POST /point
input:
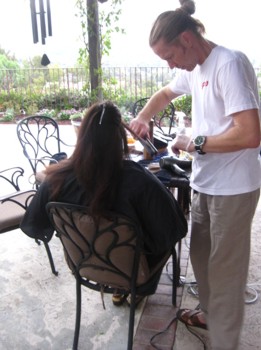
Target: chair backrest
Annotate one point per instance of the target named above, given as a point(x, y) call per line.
point(164, 120)
point(107, 253)
point(40, 140)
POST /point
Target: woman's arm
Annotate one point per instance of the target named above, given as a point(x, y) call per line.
point(36, 223)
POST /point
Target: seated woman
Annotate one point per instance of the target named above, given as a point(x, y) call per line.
point(100, 175)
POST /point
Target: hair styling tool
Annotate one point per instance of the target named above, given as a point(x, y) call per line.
point(172, 164)
point(146, 143)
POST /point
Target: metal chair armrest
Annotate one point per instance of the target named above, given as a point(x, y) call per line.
point(12, 175)
point(20, 198)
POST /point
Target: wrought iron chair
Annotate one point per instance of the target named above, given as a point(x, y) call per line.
point(41, 143)
point(105, 256)
point(14, 203)
point(164, 120)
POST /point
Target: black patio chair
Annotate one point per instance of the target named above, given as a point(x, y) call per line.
point(41, 143)
point(105, 256)
point(165, 120)
point(14, 203)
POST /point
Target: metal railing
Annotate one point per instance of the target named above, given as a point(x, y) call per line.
point(61, 88)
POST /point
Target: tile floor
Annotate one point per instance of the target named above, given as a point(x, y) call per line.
point(158, 312)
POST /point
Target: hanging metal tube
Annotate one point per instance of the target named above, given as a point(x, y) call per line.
point(34, 21)
point(49, 18)
point(42, 20)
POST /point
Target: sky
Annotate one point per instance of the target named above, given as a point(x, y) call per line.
point(231, 23)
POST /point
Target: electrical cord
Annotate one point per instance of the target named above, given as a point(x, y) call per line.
point(198, 336)
point(251, 294)
point(251, 297)
point(161, 332)
point(192, 288)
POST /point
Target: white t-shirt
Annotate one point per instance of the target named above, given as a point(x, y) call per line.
point(224, 84)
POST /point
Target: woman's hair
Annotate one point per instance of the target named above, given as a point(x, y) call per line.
point(97, 160)
point(170, 24)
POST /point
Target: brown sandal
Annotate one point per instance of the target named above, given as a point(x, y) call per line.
point(190, 318)
point(118, 299)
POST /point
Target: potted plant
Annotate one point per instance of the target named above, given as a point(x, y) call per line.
point(76, 120)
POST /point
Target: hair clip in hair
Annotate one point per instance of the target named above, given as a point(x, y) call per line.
point(102, 113)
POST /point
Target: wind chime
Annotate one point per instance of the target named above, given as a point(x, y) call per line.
point(41, 12)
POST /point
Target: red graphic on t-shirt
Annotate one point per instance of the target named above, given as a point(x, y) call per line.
point(204, 84)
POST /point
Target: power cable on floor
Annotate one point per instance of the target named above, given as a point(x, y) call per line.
point(161, 332)
point(198, 336)
point(192, 288)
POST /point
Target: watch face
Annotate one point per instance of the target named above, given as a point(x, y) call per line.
point(199, 140)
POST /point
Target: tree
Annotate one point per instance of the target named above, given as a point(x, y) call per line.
point(8, 69)
point(96, 39)
point(94, 48)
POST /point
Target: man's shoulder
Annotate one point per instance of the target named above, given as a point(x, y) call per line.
point(226, 54)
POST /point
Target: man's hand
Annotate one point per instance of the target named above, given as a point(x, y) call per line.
point(140, 127)
point(183, 143)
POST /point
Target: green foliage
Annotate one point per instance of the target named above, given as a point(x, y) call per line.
point(76, 116)
point(183, 104)
point(43, 102)
point(7, 63)
point(8, 115)
point(7, 54)
point(69, 114)
point(108, 24)
point(11, 101)
point(47, 113)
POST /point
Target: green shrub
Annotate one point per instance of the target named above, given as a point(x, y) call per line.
point(8, 115)
point(183, 104)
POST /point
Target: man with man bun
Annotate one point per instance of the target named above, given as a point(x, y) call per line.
point(226, 172)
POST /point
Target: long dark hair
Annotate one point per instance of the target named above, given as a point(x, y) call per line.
point(170, 24)
point(97, 160)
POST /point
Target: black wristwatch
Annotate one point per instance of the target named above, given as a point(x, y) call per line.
point(199, 142)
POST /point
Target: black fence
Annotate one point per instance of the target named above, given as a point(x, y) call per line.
point(64, 88)
point(69, 87)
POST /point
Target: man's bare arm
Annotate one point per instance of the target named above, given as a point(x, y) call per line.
point(245, 133)
point(157, 102)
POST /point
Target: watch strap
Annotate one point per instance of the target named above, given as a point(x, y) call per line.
point(199, 149)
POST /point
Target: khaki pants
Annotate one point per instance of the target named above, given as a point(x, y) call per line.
point(220, 250)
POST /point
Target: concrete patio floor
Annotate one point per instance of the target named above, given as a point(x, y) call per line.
point(37, 309)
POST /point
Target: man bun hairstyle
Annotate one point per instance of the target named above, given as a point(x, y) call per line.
point(188, 6)
point(170, 24)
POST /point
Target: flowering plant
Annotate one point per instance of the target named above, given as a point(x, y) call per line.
point(69, 114)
